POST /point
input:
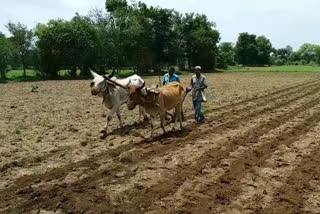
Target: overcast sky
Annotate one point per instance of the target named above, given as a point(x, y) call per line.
point(284, 22)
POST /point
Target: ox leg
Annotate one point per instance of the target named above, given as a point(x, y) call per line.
point(119, 117)
point(180, 115)
point(151, 123)
point(162, 119)
point(175, 120)
point(177, 116)
point(113, 110)
point(107, 124)
point(142, 112)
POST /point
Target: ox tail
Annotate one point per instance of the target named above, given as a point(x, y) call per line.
point(182, 93)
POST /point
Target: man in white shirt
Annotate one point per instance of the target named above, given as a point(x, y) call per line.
point(198, 84)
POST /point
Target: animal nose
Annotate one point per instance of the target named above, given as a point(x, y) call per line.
point(130, 105)
point(94, 91)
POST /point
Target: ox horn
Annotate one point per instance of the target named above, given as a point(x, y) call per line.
point(114, 82)
point(94, 74)
point(111, 75)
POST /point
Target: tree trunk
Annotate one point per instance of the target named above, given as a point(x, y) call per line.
point(24, 70)
point(3, 74)
point(159, 73)
point(85, 72)
point(189, 64)
point(74, 72)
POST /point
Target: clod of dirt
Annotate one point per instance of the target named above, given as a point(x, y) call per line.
point(233, 211)
point(129, 156)
point(120, 174)
point(39, 139)
point(135, 168)
point(36, 159)
point(25, 190)
point(84, 143)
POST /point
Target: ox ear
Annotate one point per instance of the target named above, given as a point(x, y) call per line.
point(129, 83)
point(111, 85)
point(141, 87)
point(94, 74)
point(111, 75)
point(144, 91)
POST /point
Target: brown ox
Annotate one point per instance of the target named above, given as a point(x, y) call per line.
point(158, 101)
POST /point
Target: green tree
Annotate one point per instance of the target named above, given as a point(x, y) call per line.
point(67, 45)
point(152, 37)
point(226, 55)
point(283, 56)
point(22, 40)
point(115, 5)
point(161, 36)
point(247, 49)
point(125, 50)
point(120, 14)
point(201, 41)
point(107, 48)
point(177, 54)
point(5, 55)
point(264, 47)
point(309, 53)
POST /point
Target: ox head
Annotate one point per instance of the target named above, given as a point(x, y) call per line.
point(99, 85)
point(134, 96)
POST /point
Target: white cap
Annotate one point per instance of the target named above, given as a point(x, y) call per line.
point(197, 68)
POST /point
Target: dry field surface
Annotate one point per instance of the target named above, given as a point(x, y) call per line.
point(258, 151)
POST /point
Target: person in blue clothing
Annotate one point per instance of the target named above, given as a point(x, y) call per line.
point(170, 77)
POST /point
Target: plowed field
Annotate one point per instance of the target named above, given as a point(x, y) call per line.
point(258, 151)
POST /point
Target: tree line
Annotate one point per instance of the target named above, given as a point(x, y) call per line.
point(136, 36)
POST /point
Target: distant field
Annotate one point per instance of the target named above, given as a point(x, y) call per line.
point(17, 75)
point(289, 68)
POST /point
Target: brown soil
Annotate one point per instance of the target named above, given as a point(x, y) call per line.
point(258, 151)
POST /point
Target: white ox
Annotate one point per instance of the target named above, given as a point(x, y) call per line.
point(113, 95)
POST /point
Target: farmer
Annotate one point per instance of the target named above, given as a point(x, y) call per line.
point(170, 77)
point(198, 84)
